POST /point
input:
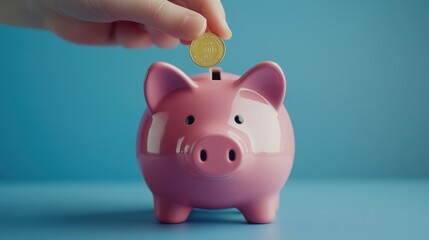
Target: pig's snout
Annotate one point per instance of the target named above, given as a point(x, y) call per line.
point(217, 156)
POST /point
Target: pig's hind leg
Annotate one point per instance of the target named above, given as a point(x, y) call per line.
point(170, 212)
point(261, 211)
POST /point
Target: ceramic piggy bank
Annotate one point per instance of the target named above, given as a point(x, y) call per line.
point(215, 140)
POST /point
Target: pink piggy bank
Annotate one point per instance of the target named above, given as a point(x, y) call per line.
point(215, 140)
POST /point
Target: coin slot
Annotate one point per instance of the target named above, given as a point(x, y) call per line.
point(215, 75)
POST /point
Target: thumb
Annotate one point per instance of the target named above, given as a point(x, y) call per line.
point(173, 19)
point(163, 15)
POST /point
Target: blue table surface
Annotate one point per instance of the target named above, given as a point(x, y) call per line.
point(310, 209)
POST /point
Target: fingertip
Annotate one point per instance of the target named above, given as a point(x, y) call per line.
point(221, 28)
point(227, 33)
point(193, 26)
point(137, 42)
point(162, 39)
point(169, 45)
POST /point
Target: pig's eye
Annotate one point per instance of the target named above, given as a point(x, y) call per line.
point(238, 119)
point(190, 119)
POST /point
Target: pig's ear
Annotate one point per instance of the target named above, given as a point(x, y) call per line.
point(268, 80)
point(162, 79)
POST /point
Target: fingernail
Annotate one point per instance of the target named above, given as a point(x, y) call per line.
point(192, 27)
point(228, 30)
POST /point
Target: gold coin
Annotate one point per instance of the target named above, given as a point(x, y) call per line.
point(207, 50)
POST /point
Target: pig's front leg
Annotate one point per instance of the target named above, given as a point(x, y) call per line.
point(261, 211)
point(170, 212)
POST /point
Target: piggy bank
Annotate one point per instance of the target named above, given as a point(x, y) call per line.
point(215, 140)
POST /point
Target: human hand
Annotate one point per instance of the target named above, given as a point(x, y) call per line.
point(130, 23)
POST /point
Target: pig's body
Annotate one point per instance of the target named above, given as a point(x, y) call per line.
point(215, 159)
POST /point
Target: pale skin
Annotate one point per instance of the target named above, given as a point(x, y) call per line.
point(129, 23)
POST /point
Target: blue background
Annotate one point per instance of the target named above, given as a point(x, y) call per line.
point(357, 91)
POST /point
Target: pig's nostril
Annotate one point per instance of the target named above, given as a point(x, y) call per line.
point(203, 155)
point(231, 155)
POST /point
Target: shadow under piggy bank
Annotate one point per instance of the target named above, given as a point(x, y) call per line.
point(142, 219)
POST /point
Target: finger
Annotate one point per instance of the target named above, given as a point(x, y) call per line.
point(184, 42)
point(131, 35)
point(80, 32)
point(168, 17)
point(163, 15)
point(161, 39)
point(214, 12)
